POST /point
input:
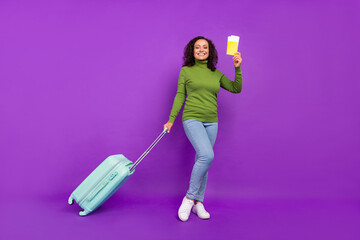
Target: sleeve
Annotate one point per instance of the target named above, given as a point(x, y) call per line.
point(179, 97)
point(234, 87)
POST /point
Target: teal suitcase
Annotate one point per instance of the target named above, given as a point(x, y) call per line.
point(105, 180)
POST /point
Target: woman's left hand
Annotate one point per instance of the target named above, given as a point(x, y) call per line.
point(237, 59)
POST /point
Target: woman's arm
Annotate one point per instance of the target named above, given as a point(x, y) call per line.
point(178, 101)
point(233, 86)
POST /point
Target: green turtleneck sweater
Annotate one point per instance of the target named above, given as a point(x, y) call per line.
point(200, 86)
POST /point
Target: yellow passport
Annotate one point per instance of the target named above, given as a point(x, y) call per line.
point(232, 45)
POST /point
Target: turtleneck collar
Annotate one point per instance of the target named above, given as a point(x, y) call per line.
point(201, 63)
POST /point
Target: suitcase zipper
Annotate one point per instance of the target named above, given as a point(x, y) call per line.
point(97, 185)
point(102, 185)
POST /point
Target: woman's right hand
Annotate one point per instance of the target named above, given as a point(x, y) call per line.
point(168, 125)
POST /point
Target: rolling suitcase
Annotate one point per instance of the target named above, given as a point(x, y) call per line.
point(105, 180)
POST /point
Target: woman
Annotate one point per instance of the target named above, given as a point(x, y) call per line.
point(199, 82)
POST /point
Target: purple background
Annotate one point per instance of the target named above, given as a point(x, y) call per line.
point(81, 80)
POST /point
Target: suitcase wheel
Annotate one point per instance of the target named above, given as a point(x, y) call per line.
point(71, 201)
point(82, 213)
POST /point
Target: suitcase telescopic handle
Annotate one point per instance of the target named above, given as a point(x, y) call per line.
point(148, 150)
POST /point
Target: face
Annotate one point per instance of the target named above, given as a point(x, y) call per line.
point(201, 49)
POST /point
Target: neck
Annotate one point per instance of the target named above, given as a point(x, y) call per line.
point(201, 63)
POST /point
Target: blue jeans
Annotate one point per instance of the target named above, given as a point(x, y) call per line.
point(202, 136)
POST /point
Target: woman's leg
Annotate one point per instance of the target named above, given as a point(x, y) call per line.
point(197, 133)
point(211, 130)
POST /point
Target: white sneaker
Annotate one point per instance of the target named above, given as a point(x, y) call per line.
point(185, 209)
point(199, 210)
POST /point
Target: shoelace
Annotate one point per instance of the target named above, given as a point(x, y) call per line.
point(200, 208)
point(188, 206)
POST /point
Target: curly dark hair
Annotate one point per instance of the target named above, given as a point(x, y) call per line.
point(189, 59)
